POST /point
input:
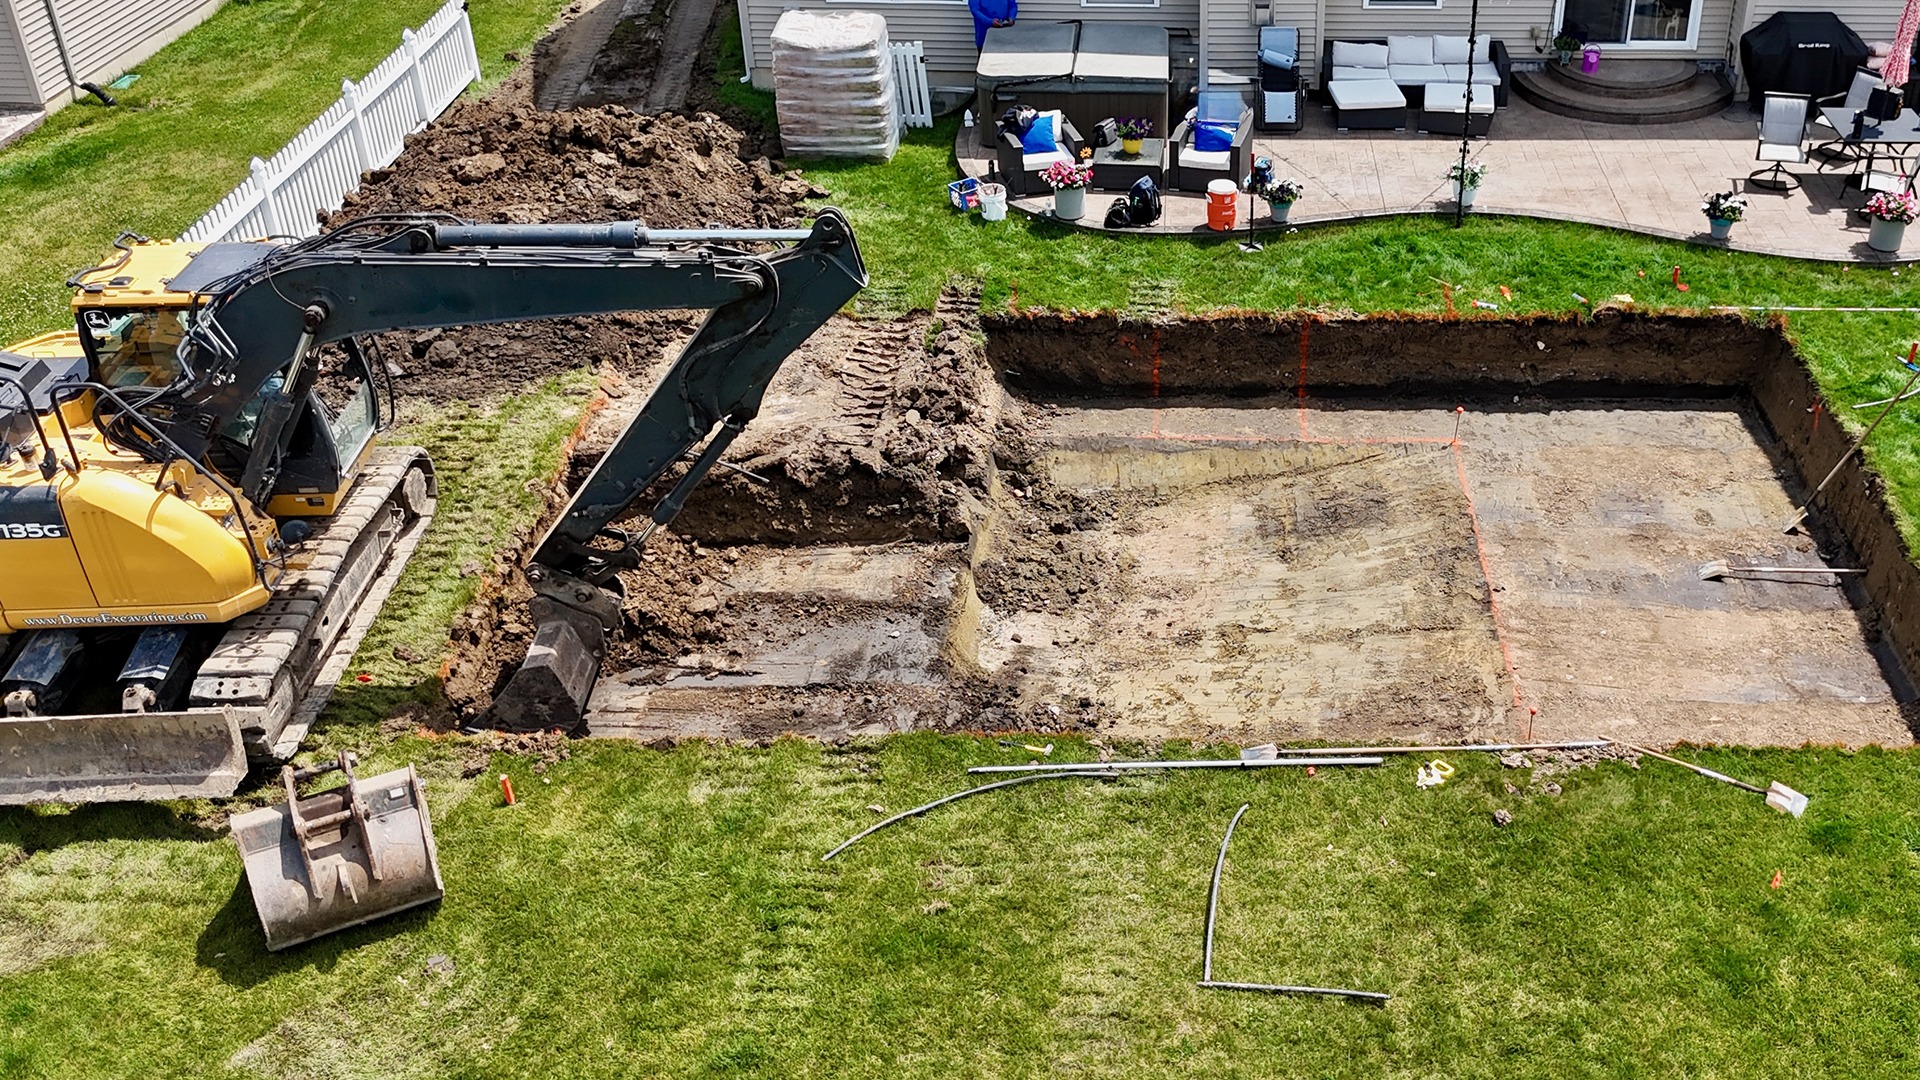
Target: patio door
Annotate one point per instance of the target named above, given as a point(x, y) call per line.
point(1633, 23)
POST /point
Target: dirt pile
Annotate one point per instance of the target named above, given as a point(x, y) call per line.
point(498, 159)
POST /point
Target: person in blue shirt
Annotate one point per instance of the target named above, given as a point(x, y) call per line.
point(991, 13)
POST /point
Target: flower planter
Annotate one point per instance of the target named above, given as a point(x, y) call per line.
point(1464, 195)
point(1566, 57)
point(1280, 210)
point(1131, 147)
point(1884, 235)
point(1719, 227)
point(1070, 203)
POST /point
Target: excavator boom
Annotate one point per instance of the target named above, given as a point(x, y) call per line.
point(237, 422)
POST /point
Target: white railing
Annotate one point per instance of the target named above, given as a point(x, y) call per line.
point(287, 194)
point(910, 83)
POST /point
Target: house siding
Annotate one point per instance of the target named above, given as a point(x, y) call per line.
point(103, 37)
point(1351, 20)
point(16, 79)
point(947, 29)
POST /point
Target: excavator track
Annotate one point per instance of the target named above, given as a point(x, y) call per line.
point(255, 696)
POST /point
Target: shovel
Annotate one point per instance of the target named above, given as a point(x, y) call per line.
point(1718, 569)
point(1778, 795)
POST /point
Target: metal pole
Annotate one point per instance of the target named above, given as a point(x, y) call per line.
point(1229, 763)
point(1488, 748)
point(1206, 957)
point(871, 829)
point(1466, 122)
point(1213, 896)
point(1267, 988)
point(1852, 450)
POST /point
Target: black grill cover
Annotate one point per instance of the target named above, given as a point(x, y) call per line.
point(1800, 52)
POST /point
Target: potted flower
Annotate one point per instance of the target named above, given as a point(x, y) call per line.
point(1280, 194)
point(1466, 180)
point(1723, 209)
point(1069, 180)
point(1890, 212)
point(1132, 129)
point(1566, 45)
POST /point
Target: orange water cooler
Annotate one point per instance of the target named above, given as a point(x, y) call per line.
point(1222, 199)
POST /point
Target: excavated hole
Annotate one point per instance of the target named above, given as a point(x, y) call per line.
point(1148, 530)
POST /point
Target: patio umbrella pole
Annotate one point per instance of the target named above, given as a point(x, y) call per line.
point(1466, 122)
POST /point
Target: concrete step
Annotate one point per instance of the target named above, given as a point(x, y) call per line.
point(1628, 78)
point(1705, 95)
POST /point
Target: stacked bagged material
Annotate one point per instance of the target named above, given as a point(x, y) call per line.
point(833, 85)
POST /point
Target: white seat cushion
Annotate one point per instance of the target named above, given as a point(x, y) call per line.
point(1281, 107)
point(1367, 94)
point(1409, 50)
point(1487, 74)
point(1358, 55)
point(1217, 160)
point(1358, 74)
point(1791, 153)
point(1452, 97)
point(1037, 162)
point(1417, 74)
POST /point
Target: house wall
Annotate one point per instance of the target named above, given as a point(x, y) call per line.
point(1511, 22)
point(16, 84)
point(947, 29)
point(104, 38)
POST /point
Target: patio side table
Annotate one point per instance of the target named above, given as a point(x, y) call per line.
point(1115, 171)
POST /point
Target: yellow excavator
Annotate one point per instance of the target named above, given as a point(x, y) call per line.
point(197, 522)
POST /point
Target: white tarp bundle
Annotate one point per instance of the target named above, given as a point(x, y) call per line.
point(833, 85)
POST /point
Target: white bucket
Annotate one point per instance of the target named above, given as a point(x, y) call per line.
point(993, 202)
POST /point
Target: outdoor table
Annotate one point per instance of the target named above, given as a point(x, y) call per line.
point(1116, 171)
point(1892, 141)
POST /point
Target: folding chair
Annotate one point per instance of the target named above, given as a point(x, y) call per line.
point(1855, 99)
point(1783, 137)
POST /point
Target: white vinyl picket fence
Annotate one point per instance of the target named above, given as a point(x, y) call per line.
point(365, 129)
point(910, 83)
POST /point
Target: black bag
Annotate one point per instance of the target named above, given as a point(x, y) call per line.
point(1105, 133)
point(1018, 119)
point(1120, 214)
point(1143, 202)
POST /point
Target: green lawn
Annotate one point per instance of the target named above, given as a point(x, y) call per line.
point(645, 913)
point(238, 86)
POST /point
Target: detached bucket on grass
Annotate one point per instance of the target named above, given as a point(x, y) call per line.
point(341, 857)
point(993, 202)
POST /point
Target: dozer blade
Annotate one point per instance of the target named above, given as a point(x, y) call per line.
point(121, 757)
point(339, 858)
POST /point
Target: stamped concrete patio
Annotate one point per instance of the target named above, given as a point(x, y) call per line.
point(1643, 178)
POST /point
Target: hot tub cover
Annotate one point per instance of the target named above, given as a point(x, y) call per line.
point(1122, 52)
point(1036, 50)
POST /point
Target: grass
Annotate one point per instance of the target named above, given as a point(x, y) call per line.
point(646, 913)
point(240, 85)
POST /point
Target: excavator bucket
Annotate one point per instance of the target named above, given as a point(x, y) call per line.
point(118, 757)
point(341, 857)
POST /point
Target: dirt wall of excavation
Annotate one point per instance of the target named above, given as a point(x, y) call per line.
point(1615, 353)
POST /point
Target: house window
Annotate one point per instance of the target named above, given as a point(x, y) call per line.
point(1415, 5)
point(1119, 3)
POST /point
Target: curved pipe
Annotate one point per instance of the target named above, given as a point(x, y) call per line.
point(956, 796)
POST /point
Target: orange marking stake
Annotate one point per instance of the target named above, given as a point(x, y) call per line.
point(506, 788)
point(1776, 882)
point(1677, 283)
point(1458, 412)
